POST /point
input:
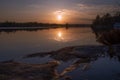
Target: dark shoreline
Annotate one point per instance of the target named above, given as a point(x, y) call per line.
point(14, 29)
point(36, 24)
point(82, 55)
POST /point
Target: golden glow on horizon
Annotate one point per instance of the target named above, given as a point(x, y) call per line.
point(59, 16)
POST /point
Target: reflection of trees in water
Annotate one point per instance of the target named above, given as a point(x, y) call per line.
point(12, 30)
point(34, 26)
point(110, 38)
point(80, 56)
point(15, 30)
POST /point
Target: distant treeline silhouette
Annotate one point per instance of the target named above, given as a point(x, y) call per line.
point(105, 30)
point(105, 22)
point(36, 24)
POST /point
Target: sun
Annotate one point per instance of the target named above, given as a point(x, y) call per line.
point(59, 17)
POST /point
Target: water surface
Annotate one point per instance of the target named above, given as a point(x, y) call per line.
point(19, 43)
point(104, 66)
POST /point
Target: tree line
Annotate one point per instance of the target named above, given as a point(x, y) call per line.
point(36, 24)
point(26, 24)
point(105, 22)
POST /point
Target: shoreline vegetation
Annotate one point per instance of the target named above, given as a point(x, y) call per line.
point(34, 26)
point(107, 28)
point(105, 23)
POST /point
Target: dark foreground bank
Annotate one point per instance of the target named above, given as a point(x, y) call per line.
point(78, 56)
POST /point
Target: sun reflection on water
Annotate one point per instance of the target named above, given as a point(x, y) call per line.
point(59, 36)
point(63, 35)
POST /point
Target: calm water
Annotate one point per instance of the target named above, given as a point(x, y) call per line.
point(15, 45)
point(19, 43)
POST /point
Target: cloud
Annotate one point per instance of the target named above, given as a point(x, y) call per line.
point(83, 6)
point(88, 6)
point(94, 9)
point(70, 12)
point(99, 2)
point(34, 6)
point(59, 12)
point(74, 16)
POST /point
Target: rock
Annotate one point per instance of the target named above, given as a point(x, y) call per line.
point(23, 71)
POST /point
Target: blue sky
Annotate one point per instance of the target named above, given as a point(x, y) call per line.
point(75, 11)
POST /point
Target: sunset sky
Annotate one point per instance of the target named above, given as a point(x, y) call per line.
point(55, 11)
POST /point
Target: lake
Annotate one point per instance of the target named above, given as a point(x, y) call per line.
point(17, 44)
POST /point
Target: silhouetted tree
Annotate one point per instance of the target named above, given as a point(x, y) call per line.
point(105, 23)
